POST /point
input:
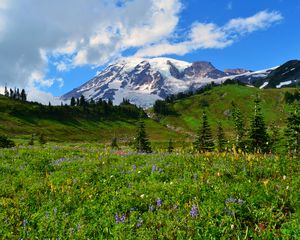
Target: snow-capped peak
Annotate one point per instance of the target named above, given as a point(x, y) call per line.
point(145, 80)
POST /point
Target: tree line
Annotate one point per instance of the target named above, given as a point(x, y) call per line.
point(255, 139)
point(15, 93)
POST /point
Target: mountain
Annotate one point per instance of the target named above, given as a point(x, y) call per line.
point(143, 80)
point(287, 74)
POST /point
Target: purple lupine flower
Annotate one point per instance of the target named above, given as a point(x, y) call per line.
point(151, 208)
point(117, 218)
point(194, 211)
point(78, 227)
point(123, 218)
point(120, 218)
point(228, 211)
point(230, 200)
point(158, 202)
point(25, 222)
point(140, 222)
point(134, 167)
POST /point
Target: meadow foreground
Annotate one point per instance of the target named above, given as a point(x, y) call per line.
point(89, 192)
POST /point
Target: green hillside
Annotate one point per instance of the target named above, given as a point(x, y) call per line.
point(218, 104)
point(19, 120)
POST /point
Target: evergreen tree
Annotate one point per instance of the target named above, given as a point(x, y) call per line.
point(274, 137)
point(239, 126)
point(92, 101)
point(23, 95)
point(42, 139)
point(31, 141)
point(73, 102)
point(258, 131)
point(204, 141)
point(142, 143)
point(221, 141)
point(114, 144)
point(6, 93)
point(82, 101)
point(11, 93)
point(18, 95)
point(292, 131)
point(110, 102)
point(77, 102)
point(5, 142)
point(170, 146)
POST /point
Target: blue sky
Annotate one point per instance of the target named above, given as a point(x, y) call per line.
point(65, 43)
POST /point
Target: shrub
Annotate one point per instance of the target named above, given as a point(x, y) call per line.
point(6, 143)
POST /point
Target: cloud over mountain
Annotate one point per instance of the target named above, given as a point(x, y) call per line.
point(66, 34)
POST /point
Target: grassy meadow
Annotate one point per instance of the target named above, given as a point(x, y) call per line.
point(87, 191)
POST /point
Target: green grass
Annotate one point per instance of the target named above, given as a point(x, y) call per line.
point(219, 101)
point(77, 128)
point(180, 128)
point(75, 191)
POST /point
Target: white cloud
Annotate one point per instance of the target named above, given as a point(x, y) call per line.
point(43, 97)
point(261, 20)
point(77, 31)
point(209, 35)
point(71, 33)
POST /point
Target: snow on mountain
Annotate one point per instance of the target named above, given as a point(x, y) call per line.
point(145, 80)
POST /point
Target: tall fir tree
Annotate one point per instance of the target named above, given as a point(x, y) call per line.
point(23, 95)
point(221, 140)
point(114, 143)
point(170, 146)
point(142, 143)
point(42, 139)
point(72, 102)
point(259, 139)
point(292, 131)
point(6, 93)
point(11, 93)
point(274, 138)
point(204, 141)
point(239, 126)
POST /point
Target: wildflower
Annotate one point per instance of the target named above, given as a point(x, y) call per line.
point(120, 218)
point(232, 226)
point(131, 209)
point(134, 167)
point(140, 222)
point(194, 211)
point(284, 177)
point(230, 200)
point(142, 196)
point(153, 168)
point(158, 202)
point(78, 227)
point(151, 208)
point(228, 211)
point(25, 222)
point(240, 201)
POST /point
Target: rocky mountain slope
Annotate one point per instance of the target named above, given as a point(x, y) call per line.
point(143, 80)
